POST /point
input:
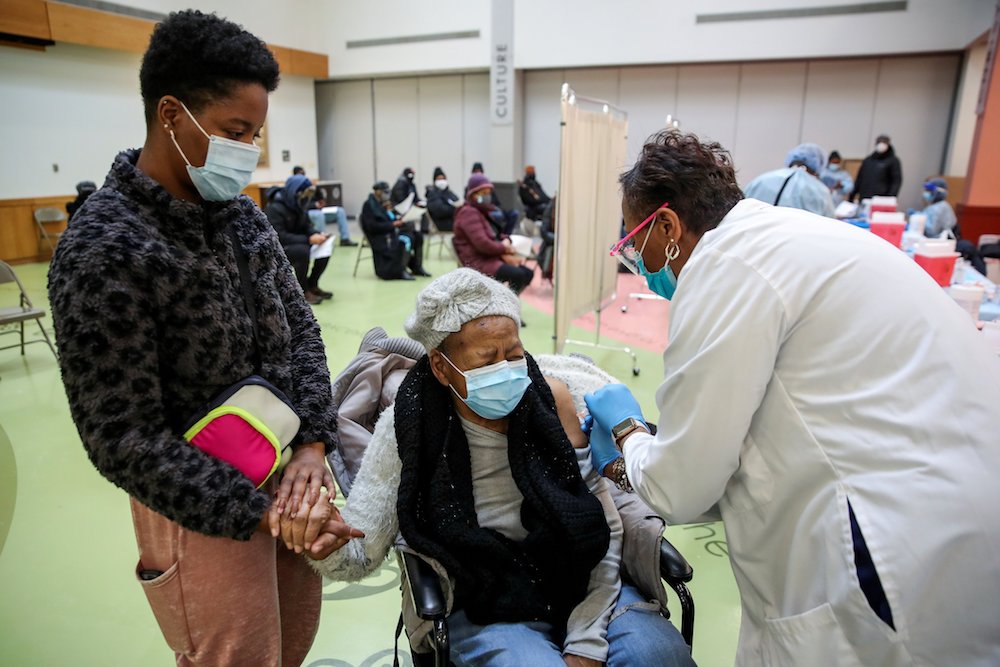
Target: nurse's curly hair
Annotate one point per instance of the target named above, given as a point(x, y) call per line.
point(697, 179)
point(200, 58)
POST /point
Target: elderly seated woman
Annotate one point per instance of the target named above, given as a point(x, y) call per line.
point(481, 467)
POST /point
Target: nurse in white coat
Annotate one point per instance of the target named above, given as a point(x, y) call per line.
point(826, 397)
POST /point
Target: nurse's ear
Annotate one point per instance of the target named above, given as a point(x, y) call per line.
point(669, 226)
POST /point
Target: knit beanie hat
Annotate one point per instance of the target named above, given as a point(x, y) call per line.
point(455, 298)
point(438, 173)
point(477, 182)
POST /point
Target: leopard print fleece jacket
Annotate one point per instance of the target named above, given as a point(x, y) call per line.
point(150, 323)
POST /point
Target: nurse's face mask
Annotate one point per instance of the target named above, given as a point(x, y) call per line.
point(228, 168)
point(663, 282)
point(493, 391)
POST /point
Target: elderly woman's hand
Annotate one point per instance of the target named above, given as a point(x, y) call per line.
point(334, 535)
point(299, 533)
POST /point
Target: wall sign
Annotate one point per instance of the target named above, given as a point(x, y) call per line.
point(502, 63)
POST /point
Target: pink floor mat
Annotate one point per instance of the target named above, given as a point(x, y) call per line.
point(642, 325)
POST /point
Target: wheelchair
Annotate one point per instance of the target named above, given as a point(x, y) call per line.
point(389, 359)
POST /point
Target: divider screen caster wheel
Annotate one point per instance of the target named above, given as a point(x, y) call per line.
point(625, 308)
point(635, 372)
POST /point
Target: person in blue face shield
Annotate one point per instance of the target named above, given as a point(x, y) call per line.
point(941, 220)
point(776, 419)
point(940, 215)
point(480, 466)
point(168, 288)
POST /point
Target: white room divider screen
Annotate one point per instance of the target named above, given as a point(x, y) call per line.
point(588, 209)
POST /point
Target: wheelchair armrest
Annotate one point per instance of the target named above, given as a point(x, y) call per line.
point(425, 588)
point(673, 567)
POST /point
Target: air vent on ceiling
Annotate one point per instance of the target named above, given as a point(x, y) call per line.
point(803, 12)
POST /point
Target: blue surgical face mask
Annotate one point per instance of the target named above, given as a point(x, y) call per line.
point(928, 196)
point(834, 166)
point(663, 282)
point(229, 165)
point(493, 391)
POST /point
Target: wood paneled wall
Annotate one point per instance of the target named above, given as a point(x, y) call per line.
point(59, 22)
point(20, 241)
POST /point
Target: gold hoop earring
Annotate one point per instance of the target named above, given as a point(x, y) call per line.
point(672, 250)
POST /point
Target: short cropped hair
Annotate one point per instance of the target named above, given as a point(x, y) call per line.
point(697, 179)
point(200, 58)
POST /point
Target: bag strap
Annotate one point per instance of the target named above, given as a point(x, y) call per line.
point(395, 642)
point(778, 198)
point(248, 300)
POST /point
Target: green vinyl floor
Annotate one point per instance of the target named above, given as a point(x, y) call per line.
point(67, 553)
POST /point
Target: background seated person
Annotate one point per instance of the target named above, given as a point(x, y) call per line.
point(481, 466)
point(396, 245)
point(403, 188)
point(480, 242)
point(797, 185)
point(287, 211)
point(83, 190)
point(442, 202)
point(318, 212)
point(532, 194)
point(547, 250)
point(511, 215)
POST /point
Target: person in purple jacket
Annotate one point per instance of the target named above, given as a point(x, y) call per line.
point(479, 239)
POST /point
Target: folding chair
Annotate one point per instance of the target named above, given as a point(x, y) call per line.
point(21, 313)
point(362, 246)
point(44, 219)
point(444, 240)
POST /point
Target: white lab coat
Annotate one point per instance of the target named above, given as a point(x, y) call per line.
point(811, 363)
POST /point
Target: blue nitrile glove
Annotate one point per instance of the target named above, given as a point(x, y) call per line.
point(612, 404)
point(602, 447)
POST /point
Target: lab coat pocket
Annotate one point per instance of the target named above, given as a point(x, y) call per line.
point(166, 598)
point(752, 484)
point(810, 638)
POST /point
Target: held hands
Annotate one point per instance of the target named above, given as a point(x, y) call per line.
point(513, 260)
point(317, 239)
point(335, 534)
point(579, 661)
point(302, 479)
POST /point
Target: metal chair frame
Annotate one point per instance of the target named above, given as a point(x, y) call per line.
point(48, 216)
point(22, 313)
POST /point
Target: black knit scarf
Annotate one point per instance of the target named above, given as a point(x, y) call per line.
point(497, 579)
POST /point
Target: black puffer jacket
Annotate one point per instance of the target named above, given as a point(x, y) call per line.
point(151, 324)
point(879, 174)
point(440, 204)
point(287, 216)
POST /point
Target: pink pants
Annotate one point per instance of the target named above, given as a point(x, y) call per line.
point(224, 602)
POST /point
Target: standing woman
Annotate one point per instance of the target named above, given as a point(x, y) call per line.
point(826, 397)
point(151, 322)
